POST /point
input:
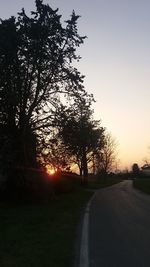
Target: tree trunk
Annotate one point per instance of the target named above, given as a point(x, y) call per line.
point(80, 171)
point(85, 168)
point(94, 167)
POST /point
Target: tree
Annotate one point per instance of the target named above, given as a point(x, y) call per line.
point(81, 134)
point(36, 56)
point(135, 169)
point(105, 157)
point(55, 154)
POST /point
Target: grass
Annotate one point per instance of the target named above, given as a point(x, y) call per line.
point(40, 235)
point(43, 235)
point(101, 183)
point(142, 184)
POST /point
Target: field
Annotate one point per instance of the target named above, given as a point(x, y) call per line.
point(41, 235)
point(101, 183)
point(38, 235)
point(142, 184)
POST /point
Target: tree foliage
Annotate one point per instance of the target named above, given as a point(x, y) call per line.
point(54, 153)
point(105, 157)
point(135, 169)
point(81, 134)
point(36, 56)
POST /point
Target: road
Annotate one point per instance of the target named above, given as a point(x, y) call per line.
point(119, 227)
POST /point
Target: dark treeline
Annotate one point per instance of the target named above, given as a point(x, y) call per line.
point(45, 112)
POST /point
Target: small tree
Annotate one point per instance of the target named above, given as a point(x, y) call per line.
point(106, 155)
point(81, 134)
point(135, 169)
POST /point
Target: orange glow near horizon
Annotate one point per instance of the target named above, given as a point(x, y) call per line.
point(50, 170)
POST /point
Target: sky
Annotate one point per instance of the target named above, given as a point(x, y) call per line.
point(116, 64)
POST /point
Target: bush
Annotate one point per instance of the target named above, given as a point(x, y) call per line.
point(35, 186)
point(142, 184)
point(65, 182)
point(28, 185)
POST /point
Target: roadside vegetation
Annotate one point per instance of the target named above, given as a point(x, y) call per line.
point(101, 182)
point(46, 124)
point(41, 235)
point(46, 114)
point(142, 184)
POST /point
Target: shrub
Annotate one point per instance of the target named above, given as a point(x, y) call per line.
point(28, 185)
point(35, 186)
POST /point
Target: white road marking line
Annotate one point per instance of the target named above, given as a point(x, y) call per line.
point(84, 250)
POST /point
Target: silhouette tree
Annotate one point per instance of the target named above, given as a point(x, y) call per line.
point(135, 169)
point(81, 134)
point(105, 157)
point(56, 154)
point(36, 56)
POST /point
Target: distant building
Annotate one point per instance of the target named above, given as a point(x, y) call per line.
point(146, 169)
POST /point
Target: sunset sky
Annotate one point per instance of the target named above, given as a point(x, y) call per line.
point(116, 63)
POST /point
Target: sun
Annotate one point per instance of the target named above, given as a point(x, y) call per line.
point(50, 170)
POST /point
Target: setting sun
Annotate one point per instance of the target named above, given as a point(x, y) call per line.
point(50, 170)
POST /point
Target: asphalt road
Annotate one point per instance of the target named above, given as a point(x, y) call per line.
point(119, 227)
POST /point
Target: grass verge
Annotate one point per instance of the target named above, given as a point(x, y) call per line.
point(40, 235)
point(101, 183)
point(142, 184)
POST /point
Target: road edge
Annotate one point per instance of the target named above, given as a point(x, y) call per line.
point(84, 247)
